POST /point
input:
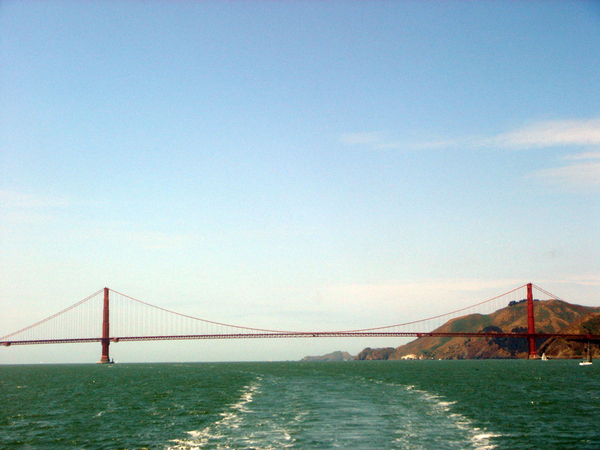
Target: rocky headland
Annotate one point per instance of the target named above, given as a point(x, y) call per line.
point(334, 356)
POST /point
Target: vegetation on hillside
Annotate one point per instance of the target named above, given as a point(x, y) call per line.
point(551, 316)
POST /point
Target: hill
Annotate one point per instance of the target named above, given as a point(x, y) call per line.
point(561, 348)
point(369, 354)
point(334, 356)
point(551, 316)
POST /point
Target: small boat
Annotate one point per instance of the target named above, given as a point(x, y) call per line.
point(544, 357)
point(588, 361)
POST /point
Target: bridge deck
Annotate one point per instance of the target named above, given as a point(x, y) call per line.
point(315, 334)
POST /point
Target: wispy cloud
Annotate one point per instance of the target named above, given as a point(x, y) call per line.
point(380, 141)
point(590, 279)
point(18, 209)
point(584, 156)
point(28, 201)
point(549, 134)
point(544, 134)
point(164, 241)
point(578, 171)
point(371, 138)
point(144, 239)
point(581, 171)
point(424, 290)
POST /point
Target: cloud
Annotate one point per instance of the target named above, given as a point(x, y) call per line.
point(544, 134)
point(408, 301)
point(379, 141)
point(28, 201)
point(583, 173)
point(367, 138)
point(147, 240)
point(395, 293)
point(164, 241)
point(549, 134)
point(433, 145)
point(583, 156)
point(590, 279)
point(20, 209)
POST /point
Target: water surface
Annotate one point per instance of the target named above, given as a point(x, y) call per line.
point(302, 405)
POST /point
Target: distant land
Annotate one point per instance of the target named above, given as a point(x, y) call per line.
point(551, 316)
point(335, 356)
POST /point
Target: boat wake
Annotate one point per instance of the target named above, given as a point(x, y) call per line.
point(449, 429)
point(307, 413)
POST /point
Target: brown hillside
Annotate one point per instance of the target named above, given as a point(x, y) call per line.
point(561, 348)
point(551, 316)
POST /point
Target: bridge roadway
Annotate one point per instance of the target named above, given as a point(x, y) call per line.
point(594, 338)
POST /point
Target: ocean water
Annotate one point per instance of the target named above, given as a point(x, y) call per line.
point(479, 405)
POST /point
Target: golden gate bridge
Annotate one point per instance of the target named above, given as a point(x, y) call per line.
point(109, 317)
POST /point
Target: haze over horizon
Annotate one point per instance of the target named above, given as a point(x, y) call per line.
point(324, 165)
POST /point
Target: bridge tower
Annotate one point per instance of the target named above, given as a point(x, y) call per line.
point(530, 322)
point(105, 329)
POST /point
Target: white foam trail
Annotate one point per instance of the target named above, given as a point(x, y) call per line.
point(479, 439)
point(231, 419)
point(482, 441)
point(414, 414)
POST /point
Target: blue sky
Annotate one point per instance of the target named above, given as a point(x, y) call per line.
point(314, 165)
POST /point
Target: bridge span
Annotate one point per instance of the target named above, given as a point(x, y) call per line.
point(141, 321)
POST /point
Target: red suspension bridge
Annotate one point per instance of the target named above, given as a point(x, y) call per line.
point(109, 317)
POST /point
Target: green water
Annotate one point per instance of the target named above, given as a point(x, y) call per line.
point(352, 405)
